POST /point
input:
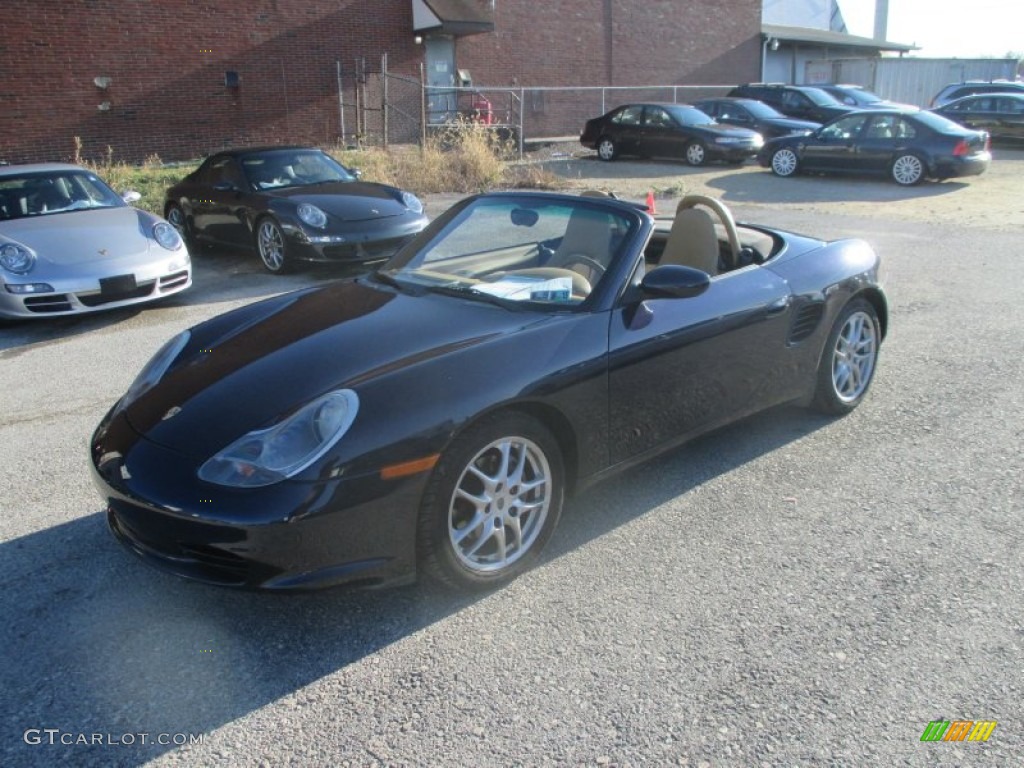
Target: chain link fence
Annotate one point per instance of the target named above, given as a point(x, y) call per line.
point(379, 108)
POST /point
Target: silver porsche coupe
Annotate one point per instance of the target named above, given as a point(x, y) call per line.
point(69, 244)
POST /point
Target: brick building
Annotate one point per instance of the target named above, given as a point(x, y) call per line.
point(183, 77)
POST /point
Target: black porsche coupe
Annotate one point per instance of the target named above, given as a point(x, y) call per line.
point(292, 204)
point(432, 416)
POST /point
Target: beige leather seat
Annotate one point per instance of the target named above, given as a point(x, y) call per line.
point(692, 241)
point(588, 236)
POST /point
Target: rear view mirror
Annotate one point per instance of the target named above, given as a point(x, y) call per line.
point(524, 217)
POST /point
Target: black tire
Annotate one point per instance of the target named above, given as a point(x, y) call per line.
point(272, 246)
point(696, 153)
point(908, 169)
point(785, 163)
point(176, 218)
point(848, 360)
point(607, 149)
point(473, 506)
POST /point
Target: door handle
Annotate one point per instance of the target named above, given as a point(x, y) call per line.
point(778, 306)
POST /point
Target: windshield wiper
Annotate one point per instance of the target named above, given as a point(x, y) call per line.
point(469, 292)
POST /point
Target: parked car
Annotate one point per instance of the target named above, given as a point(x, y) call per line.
point(858, 96)
point(800, 101)
point(906, 144)
point(668, 130)
point(69, 244)
point(955, 91)
point(292, 204)
point(1001, 114)
point(754, 115)
point(449, 402)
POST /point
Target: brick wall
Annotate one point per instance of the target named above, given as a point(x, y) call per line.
point(166, 60)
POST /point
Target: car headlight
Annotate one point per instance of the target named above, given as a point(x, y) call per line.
point(312, 215)
point(268, 456)
point(157, 366)
point(167, 236)
point(413, 203)
point(16, 258)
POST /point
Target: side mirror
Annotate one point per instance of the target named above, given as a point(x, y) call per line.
point(225, 186)
point(131, 196)
point(357, 172)
point(673, 281)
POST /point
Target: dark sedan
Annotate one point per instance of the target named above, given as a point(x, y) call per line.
point(668, 130)
point(908, 145)
point(292, 204)
point(1001, 114)
point(433, 416)
point(754, 115)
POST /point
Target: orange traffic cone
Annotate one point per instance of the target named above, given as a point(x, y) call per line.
point(650, 203)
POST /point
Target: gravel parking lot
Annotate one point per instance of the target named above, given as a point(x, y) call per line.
point(792, 590)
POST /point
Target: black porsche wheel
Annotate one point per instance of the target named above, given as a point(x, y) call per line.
point(606, 149)
point(784, 162)
point(177, 219)
point(849, 359)
point(492, 504)
point(270, 244)
point(907, 170)
point(696, 153)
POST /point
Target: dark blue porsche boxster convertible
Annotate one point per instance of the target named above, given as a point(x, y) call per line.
point(434, 415)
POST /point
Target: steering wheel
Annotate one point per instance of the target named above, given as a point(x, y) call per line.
point(691, 201)
point(581, 258)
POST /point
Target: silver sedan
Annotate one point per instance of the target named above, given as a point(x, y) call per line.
point(69, 244)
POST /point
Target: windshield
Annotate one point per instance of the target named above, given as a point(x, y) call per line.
point(761, 110)
point(820, 97)
point(293, 168)
point(49, 192)
point(690, 116)
point(518, 251)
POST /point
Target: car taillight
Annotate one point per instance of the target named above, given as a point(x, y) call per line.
point(961, 148)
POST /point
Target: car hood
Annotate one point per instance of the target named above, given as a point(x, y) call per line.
point(790, 123)
point(78, 237)
point(347, 200)
point(721, 129)
point(246, 369)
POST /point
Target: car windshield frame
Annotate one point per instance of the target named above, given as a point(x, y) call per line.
point(278, 169)
point(54, 191)
point(516, 250)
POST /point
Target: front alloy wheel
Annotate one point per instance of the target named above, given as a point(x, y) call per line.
point(606, 149)
point(849, 360)
point(784, 162)
point(176, 218)
point(492, 504)
point(696, 153)
point(907, 170)
point(271, 246)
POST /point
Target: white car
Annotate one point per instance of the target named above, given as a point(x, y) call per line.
point(69, 244)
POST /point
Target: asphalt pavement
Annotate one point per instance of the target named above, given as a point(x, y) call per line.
point(790, 591)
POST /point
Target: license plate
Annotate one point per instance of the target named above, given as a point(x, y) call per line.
point(117, 286)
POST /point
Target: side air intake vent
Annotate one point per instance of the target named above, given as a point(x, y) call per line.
point(805, 321)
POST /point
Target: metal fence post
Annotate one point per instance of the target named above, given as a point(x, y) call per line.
point(384, 86)
point(423, 109)
point(522, 109)
point(341, 104)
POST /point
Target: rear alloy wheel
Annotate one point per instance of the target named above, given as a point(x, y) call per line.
point(492, 504)
point(271, 246)
point(606, 149)
point(784, 162)
point(696, 153)
point(849, 359)
point(907, 170)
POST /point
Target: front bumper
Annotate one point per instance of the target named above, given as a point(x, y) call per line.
point(78, 295)
point(289, 536)
point(358, 245)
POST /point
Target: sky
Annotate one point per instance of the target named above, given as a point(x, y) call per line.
point(965, 29)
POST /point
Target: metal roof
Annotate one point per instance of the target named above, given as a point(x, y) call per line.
point(826, 37)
